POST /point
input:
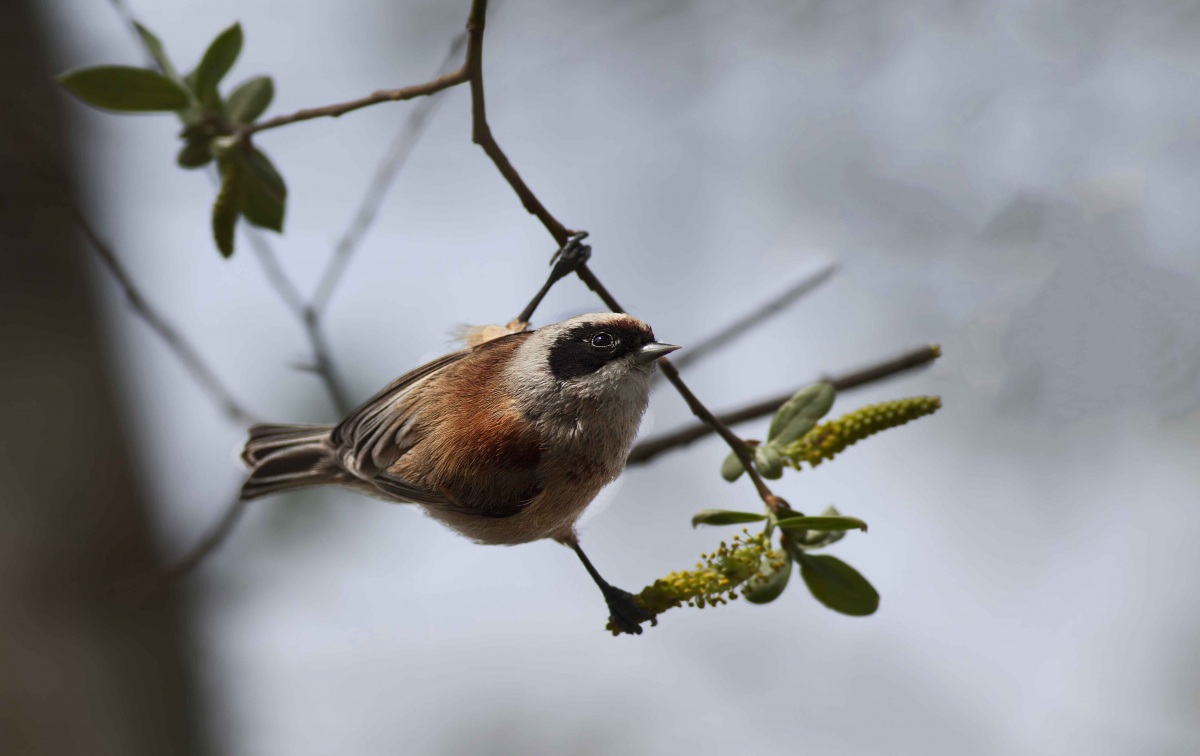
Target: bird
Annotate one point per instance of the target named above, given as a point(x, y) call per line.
point(506, 442)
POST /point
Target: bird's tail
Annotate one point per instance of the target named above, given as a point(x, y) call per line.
point(287, 457)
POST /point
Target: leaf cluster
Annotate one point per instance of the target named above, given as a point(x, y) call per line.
point(213, 124)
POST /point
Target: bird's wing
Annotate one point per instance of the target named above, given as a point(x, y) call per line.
point(375, 433)
point(383, 428)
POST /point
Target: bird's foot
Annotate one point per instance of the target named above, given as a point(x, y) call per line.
point(570, 256)
point(626, 615)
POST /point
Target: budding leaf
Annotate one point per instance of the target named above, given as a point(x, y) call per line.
point(824, 523)
point(265, 198)
point(731, 468)
point(777, 580)
point(248, 101)
point(154, 46)
point(218, 59)
point(799, 414)
point(228, 205)
point(837, 585)
point(125, 89)
point(725, 517)
point(769, 461)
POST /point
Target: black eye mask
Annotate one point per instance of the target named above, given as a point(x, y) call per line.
point(587, 348)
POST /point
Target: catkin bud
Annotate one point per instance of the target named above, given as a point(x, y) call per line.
point(831, 438)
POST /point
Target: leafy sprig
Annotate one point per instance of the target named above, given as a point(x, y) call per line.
point(751, 563)
point(214, 126)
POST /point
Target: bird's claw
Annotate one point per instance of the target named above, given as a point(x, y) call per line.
point(625, 613)
point(571, 255)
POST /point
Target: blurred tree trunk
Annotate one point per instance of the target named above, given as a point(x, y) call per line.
point(80, 673)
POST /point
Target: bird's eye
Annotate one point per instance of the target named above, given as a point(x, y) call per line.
point(603, 341)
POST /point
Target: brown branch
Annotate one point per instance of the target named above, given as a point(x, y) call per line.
point(175, 341)
point(646, 450)
point(446, 81)
point(481, 132)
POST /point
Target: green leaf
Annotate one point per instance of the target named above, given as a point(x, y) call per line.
point(777, 580)
point(266, 195)
point(769, 461)
point(154, 46)
point(725, 517)
point(125, 89)
point(817, 539)
point(731, 468)
point(248, 101)
point(218, 59)
point(799, 414)
point(823, 523)
point(194, 154)
point(228, 206)
point(838, 586)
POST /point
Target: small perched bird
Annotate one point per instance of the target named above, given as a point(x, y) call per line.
point(506, 441)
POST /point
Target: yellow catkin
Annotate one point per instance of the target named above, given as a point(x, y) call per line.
point(829, 439)
point(715, 580)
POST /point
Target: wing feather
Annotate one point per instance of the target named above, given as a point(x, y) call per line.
point(376, 434)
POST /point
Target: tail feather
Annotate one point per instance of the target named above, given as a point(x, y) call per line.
point(288, 457)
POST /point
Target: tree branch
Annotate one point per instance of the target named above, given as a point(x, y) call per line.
point(175, 341)
point(157, 581)
point(322, 361)
point(384, 95)
point(644, 451)
point(481, 132)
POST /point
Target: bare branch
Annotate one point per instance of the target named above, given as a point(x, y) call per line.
point(481, 132)
point(175, 341)
point(309, 318)
point(393, 161)
point(277, 277)
point(746, 323)
point(384, 95)
point(147, 586)
point(646, 450)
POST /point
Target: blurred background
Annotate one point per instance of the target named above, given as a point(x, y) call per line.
point(1017, 182)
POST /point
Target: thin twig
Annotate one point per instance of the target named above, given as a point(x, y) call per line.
point(644, 451)
point(175, 341)
point(451, 79)
point(746, 323)
point(481, 132)
point(393, 161)
point(210, 542)
point(155, 582)
point(322, 360)
point(277, 277)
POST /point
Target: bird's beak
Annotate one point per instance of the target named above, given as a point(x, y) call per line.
point(652, 351)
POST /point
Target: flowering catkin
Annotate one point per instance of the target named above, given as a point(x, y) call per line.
point(716, 579)
point(831, 438)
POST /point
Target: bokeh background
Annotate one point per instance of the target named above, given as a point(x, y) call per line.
point(1016, 181)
